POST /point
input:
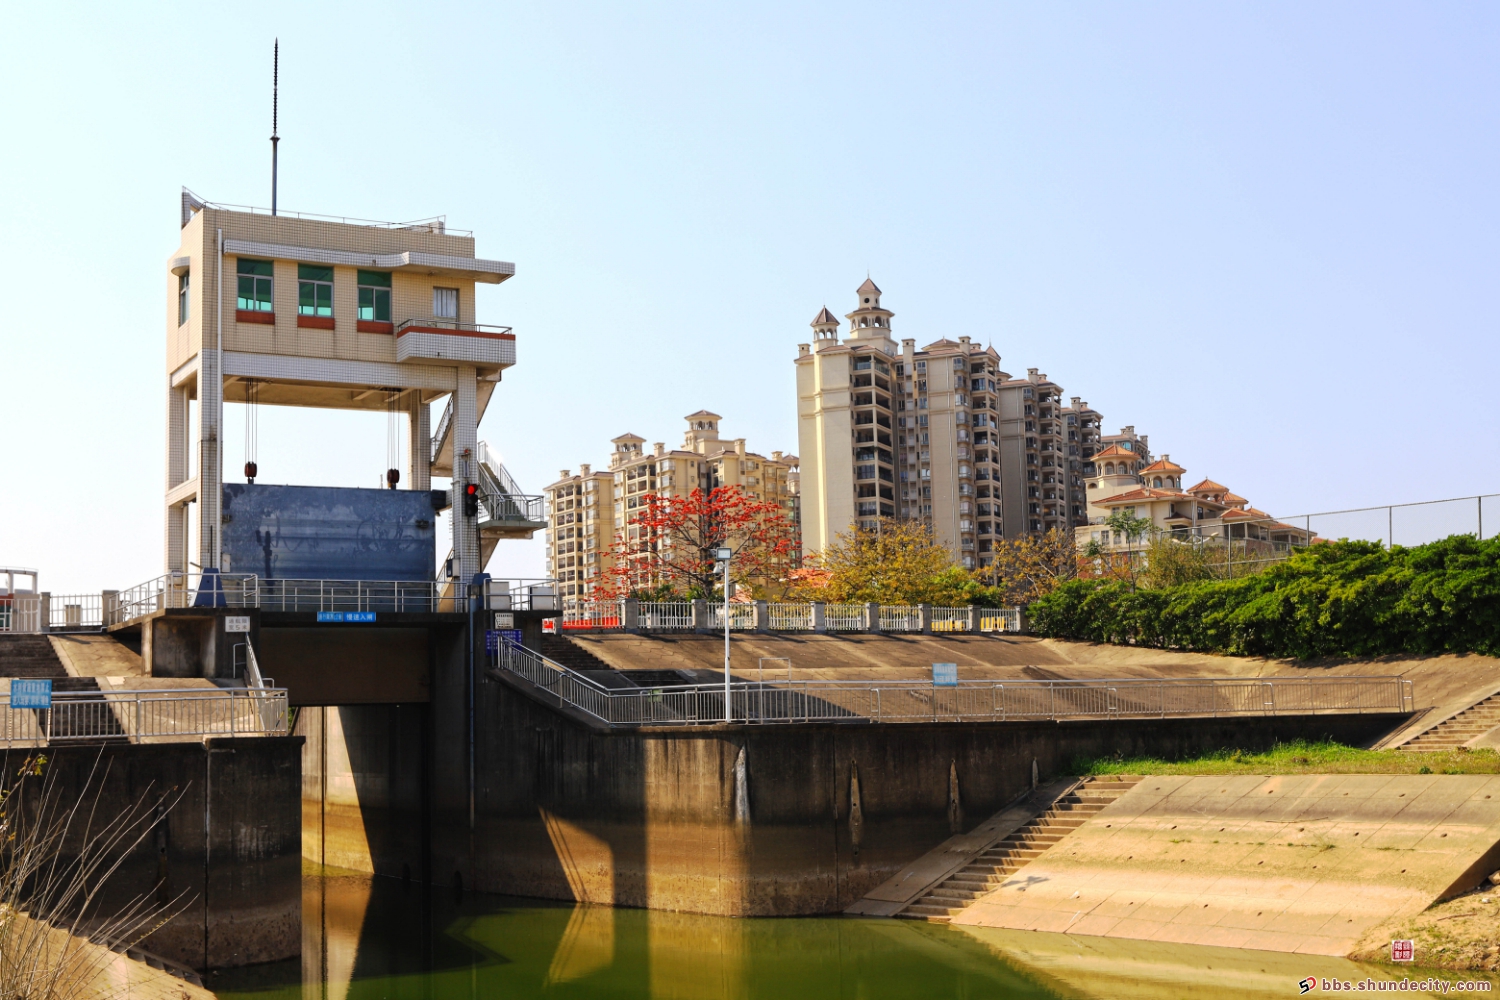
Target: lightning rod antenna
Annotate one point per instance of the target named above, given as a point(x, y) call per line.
point(275, 82)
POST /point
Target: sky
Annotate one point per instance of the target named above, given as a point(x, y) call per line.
point(1263, 234)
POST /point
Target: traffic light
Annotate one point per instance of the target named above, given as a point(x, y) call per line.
point(471, 500)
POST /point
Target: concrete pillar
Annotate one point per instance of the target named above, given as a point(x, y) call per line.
point(419, 473)
point(210, 455)
point(109, 604)
point(464, 433)
point(700, 616)
point(924, 615)
point(872, 617)
point(174, 553)
point(973, 618)
point(1022, 625)
point(630, 614)
point(44, 611)
point(762, 616)
point(819, 617)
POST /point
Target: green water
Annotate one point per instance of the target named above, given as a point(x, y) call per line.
point(372, 939)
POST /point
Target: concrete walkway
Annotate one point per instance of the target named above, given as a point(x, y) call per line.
point(1304, 864)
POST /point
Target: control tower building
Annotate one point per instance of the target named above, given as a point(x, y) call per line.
point(297, 310)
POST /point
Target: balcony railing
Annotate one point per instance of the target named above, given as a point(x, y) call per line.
point(451, 342)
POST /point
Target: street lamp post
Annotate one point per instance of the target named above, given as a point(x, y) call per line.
point(722, 555)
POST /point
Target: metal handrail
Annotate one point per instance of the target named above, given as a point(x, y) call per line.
point(967, 701)
point(115, 715)
point(452, 324)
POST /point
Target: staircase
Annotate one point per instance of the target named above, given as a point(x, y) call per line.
point(1476, 720)
point(992, 867)
point(29, 656)
point(563, 650)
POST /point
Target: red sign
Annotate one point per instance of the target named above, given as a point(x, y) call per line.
point(1403, 951)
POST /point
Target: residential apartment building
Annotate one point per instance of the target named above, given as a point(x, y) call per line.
point(888, 431)
point(1042, 487)
point(1083, 424)
point(1155, 493)
point(580, 530)
point(1128, 440)
point(590, 511)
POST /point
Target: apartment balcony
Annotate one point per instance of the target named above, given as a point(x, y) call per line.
point(447, 342)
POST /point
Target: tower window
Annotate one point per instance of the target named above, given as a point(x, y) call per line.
point(375, 296)
point(314, 290)
point(445, 303)
point(182, 298)
point(254, 285)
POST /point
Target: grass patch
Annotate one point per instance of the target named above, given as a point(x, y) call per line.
point(1302, 757)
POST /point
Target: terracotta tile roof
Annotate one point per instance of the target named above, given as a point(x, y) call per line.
point(1235, 500)
point(868, 288)
point(702, 413)
point(823, 318)
point(1143, 493)
point(1163, 465)
point(1115, 451)
point(1208, 486)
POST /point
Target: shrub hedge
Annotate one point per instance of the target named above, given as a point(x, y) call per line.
point(1338, 599)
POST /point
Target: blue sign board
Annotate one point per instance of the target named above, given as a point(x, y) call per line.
point(31, 693)
point(493, 637)
point(346, 616)
point(945, 675)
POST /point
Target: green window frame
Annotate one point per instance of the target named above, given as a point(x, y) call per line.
point(255, 285)
point(182, 297)
point(314, 290)
point(375, 296)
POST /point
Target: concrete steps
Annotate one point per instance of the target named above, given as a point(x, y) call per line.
point(1474, 721)
point(992, 867)
point(29, 656)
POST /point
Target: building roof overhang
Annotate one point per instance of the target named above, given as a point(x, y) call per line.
point(475, 269)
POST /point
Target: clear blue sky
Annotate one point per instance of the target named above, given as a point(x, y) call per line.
point(1265, 234)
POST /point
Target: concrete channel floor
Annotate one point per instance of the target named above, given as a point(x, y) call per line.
point(1296, 863)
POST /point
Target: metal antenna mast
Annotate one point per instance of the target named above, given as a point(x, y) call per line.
point(275, 81)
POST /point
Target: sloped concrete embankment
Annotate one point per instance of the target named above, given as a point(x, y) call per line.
point(1306, 864)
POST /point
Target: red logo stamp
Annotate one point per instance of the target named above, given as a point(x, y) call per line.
point(1403, 951)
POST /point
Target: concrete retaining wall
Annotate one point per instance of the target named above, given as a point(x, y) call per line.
point(237, 823)
point(565, 810)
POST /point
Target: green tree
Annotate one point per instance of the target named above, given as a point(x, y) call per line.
point(895, 562)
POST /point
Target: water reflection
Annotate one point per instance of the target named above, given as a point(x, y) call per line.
point(376, 938)
point(379, 938)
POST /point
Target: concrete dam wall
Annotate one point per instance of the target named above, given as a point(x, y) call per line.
point(736, 821)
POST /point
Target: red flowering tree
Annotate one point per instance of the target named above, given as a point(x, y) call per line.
point(667, 545)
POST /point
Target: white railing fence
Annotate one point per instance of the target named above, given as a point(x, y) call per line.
point(146, 716)
point(741, 617)
point(790, 617)
point(900, 618)
point(666, 616)
point(967, 701)
point(844, 618)
point(950, 619)
point(999, 620)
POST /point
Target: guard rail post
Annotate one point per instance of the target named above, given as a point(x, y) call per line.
point(819, 619)
point(44, 611)
point(924, 618)
point(1021, 623)
point(762, 616)
point(630, 614)
point(872, 616)
point(700, 616)
point(973, 619)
